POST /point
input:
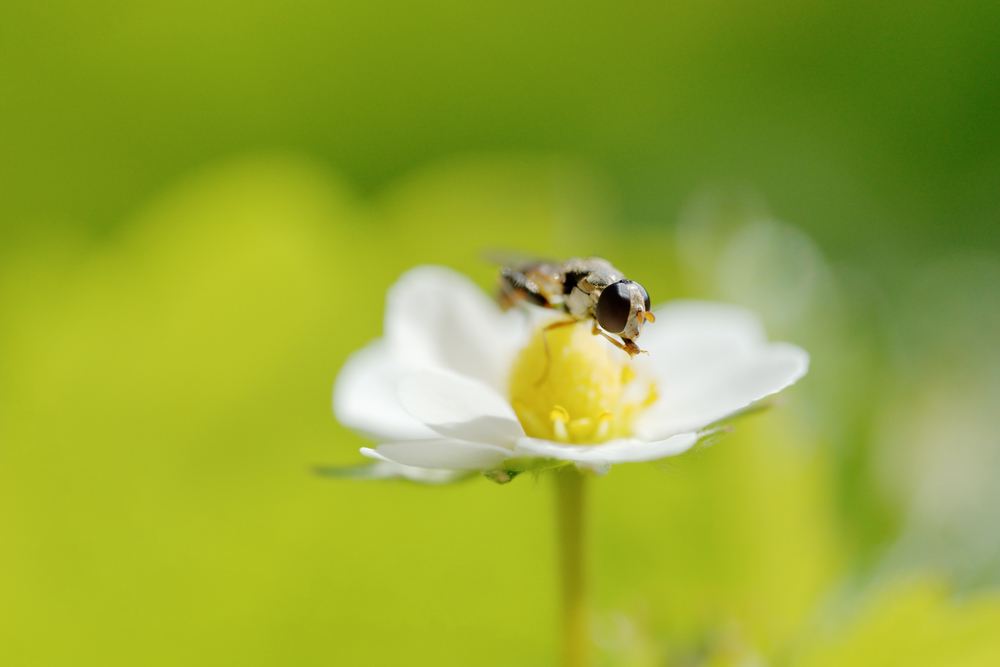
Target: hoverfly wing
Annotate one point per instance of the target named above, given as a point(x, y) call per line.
point(502, 257)
point(523, 278)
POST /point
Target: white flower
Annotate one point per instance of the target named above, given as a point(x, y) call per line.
point(457, 385)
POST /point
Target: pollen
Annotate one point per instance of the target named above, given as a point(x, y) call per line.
point(569, 385)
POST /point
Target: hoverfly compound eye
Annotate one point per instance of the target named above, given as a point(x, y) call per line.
point(645, 296)
point(614, 307)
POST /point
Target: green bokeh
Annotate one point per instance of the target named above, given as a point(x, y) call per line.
point(201, 209)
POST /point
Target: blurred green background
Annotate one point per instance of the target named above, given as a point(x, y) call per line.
point(202, 206)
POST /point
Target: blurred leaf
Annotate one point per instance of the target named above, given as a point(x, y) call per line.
point(914, 624)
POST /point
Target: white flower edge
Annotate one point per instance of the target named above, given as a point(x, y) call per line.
point(444, 456)
point(623, 450)
point(714, 362)
point(383, 468)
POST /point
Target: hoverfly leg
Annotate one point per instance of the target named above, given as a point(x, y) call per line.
point(630, 348)
point(545, 343)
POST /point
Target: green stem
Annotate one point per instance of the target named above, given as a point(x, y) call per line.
point(570, 487)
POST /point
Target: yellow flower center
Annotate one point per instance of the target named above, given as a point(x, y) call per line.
point(571, 386)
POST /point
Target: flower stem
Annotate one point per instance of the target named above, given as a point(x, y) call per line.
point(570, 487)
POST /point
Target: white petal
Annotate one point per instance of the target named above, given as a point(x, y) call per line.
point(437, 318)
point(614, 451)
point(691, 338)
point(459, 407)
point(383, 468)
point(364, 396)
point(445, 453)
point(692, 402)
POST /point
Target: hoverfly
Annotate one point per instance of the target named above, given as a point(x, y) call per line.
point(587, 288)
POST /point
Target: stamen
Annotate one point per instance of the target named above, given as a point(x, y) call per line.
point(603, 429)
point(559, 417)
point(651, 396)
